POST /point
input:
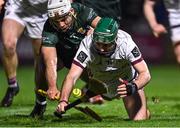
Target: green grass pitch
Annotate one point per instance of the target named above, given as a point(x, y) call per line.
point(163, 95)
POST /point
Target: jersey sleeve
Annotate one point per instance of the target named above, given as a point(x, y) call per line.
point(86, 14)
point(49, 36)
point(133, 53)
point(82, 56)
point(90, 14)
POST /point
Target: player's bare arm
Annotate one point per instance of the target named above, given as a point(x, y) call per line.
point(50, 59)
point(143, 78)
point(93, 24)
point(151, 18)
point(143, 74)
point(70, 80)
point(1, 4)
point(95, 21)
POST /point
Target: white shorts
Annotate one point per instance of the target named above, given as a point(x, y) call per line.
point(174, 21)
point(31, 18)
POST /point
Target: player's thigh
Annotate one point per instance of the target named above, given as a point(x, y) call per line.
point(11, 31)
point(34, 31)
point(177, 51)
point(136, 105)
point(36, 44)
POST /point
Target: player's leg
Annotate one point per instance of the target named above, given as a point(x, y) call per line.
point(40, 82)
point(175, 32)
point(177, 51)
point(136, 106)
point(34, 31)
point(36, 44)
point(11, 31)
point(174, 21)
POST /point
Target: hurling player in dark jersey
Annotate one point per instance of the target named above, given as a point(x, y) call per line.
point(67, 24)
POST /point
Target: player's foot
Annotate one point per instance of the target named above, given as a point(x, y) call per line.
point(96, 100)
point(8, 98)
point(38, 111)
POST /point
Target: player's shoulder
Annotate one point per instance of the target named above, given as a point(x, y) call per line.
point(77, 6)
point(87, 41)
point(48, 27)
point(80, 8)
point(123, 36)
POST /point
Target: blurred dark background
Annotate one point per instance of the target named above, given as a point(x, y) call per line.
point(129, 14)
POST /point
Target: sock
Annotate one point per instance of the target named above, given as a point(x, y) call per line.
point(12, 82)
point(41, 99)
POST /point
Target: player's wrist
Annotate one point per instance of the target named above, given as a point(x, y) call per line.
point(64, 101)
point(131, 88)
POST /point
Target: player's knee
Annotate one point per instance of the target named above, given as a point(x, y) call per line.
point(178, 59)
point(9, 47)
point(143, 115)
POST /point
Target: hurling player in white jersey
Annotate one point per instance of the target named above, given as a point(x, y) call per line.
point(26, 16)
point(114, 59)
point(173, 8)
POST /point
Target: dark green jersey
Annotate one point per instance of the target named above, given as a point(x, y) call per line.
point(67, 43)
point(72, 38)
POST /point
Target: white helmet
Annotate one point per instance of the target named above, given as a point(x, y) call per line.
point(60, 7)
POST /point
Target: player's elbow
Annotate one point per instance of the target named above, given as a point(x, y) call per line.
point(147, 77)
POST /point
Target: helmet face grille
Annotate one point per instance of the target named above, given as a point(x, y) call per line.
point(105, 38)
point(60, 7)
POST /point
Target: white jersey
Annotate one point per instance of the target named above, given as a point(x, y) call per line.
point(30, 13)
point(172, 4)
point(110, 69)
point(173, 7)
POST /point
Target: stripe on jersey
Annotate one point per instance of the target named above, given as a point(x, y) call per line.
point(78, 64)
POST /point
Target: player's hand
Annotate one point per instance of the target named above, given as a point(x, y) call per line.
point(90, 31)
point(126, 88)
point(53, 93)
point(61, 106)
point(158, 29)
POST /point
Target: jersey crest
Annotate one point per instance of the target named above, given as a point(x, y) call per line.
point(135, 52)
point(82, 56)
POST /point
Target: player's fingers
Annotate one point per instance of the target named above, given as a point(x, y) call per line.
point(51, 95)
point(57, 96)
point(60, 108)
point(121, 89)
point(121, 80)
point(122, 86)
point(156, 34)
point(122, 96)
point(122, 92)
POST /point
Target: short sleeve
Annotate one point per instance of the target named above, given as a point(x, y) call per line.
point(132, 52)
point(83, 54)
